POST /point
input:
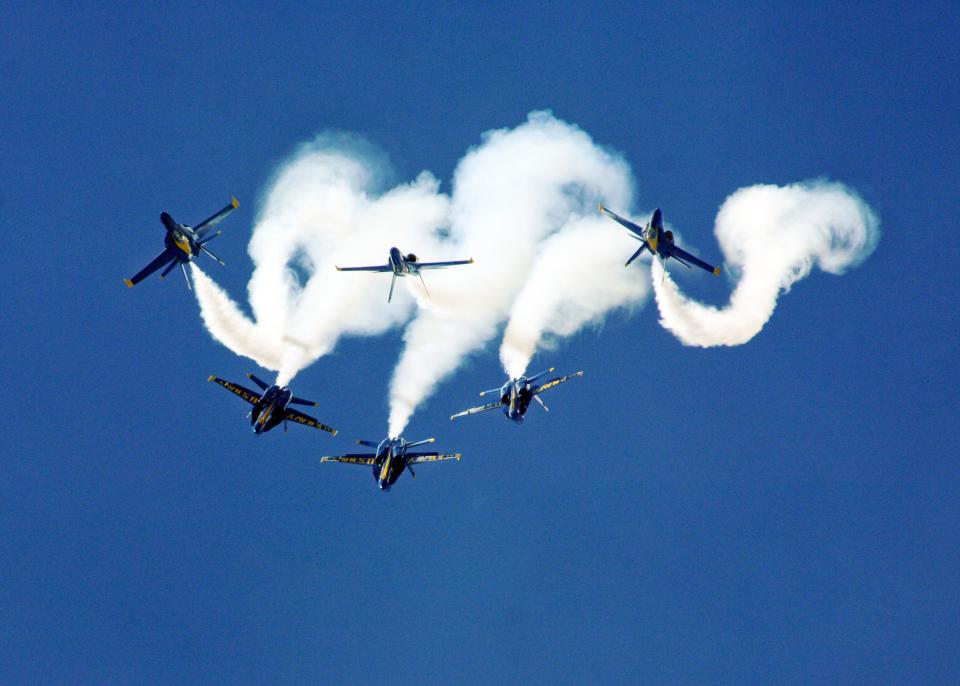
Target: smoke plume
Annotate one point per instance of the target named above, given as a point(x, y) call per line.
point(511, 194)
point(771, 237)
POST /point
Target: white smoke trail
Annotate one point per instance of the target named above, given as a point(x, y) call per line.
point(577, 279)
point(510, 193)
point(771, 236)
point(321, 210)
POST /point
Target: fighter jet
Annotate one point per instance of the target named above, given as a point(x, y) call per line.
point(402, 265)
point(272, 407)
point(516, 394)
point(391, 458)
point(658, 241)
point(183, 243)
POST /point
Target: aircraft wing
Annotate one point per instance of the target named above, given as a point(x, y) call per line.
point(380, 268)
point(163, 258)
point(420, 458)
point(351, 459)
point(684, 256)
point(301, 418)
point(204, 227)
point(441, 265)
point(625, 223)
point(554, 382)
point(236, 389)
point(475, 410)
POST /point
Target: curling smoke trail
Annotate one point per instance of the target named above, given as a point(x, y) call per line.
point(576, 280)
point(322, 209)
point(513, 192)
point(771, 236)
point(523, 206)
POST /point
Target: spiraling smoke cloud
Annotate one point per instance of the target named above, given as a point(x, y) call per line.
point(523, 206)
point(771, 236)
point(322, 210)
point(519, 198)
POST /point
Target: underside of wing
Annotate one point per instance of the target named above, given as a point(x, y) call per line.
point(441, 265)
point(555, 382)
point(160, 260)
point(683, 256)
point(625, 223)
point(420, 458)
point(236, 389)
point(204, 227)
point(378, 268)
point(351, 459)
point(307, 420)
point(475, 410)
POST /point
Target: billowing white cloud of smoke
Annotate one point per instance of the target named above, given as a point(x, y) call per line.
point(771, 237)
point(321, 210)
point(518, 188)
point(577, 279)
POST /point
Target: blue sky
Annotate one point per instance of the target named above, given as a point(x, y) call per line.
point(780, 512)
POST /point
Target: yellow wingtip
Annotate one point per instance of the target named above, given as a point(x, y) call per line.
point(600, 207)
point(235, 203)
point(716, 271)
point(338, 268)
point(211, 377)
point(249, 375)
point(128, 282)
point(333, 433)
point(550, 370)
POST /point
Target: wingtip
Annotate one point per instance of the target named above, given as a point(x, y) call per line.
point(235, 203)
point(338, 268)
point(458, 456)
point(249, 375)
point(128, 282)
point(716, 271)
point(211, 377)
point(600, 207)
point(431, 440)
point(551, 369)
point(471, 260)
point(333, 432)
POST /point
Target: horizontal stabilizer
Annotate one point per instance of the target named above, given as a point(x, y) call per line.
point(302, 401)
point(369, 444)
point(263, 385)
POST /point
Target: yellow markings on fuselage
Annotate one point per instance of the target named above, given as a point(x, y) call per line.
point(183, 243)
point(386, 466)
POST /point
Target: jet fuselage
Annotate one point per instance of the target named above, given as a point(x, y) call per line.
point(270, 410)
point(390, 462)
point(179, 238)
point(515, 395)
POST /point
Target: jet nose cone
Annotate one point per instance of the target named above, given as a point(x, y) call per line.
point(657, 220)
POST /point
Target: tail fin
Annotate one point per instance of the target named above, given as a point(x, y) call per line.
point(657, 220)
point(253, 377)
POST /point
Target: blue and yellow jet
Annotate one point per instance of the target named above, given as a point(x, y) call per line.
point(516, 394)
point(658, 241)
point(183, 243)
point(402, 265)
point(391, 458)
point(272, 407)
